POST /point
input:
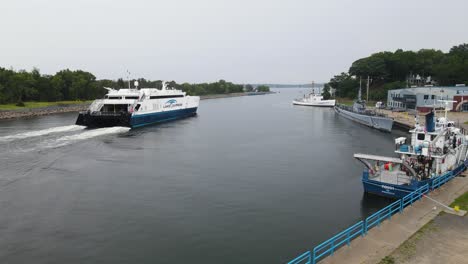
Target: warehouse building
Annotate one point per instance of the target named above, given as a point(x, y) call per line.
point(425, 98)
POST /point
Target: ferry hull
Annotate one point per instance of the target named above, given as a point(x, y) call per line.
point(132, 121)
point(153, 118)
point(95, 121)
point(377, 122)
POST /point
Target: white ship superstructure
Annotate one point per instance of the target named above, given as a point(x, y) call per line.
point(138, 107)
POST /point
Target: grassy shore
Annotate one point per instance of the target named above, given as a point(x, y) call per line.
point(406, 250)
point(436, 233)
point(8, 111)
point(461, 201)
point(28, 105)
point(31, 105)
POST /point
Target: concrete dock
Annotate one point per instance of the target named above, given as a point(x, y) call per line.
point(405, 120)
point(382, 241)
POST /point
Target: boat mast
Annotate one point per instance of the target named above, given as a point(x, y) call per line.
point(128, 77)
point(359, 94)
point(367, 94)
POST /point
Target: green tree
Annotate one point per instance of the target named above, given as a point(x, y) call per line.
point(326, 92)
point(249, 88)
point(263, 88)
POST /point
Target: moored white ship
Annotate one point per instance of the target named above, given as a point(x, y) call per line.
point(314, 100)
point(138, 107)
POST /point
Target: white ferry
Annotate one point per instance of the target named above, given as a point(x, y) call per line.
point(138, 107)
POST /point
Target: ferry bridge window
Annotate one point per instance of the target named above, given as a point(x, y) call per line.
point(131, 97)
point(115, 97)
point(420, 136)
point(432, 97)
point(426, 97)
point(166, 96)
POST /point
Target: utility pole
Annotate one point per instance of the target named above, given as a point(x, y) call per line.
point(367, 94)
point(359, 94)
point(128, 77)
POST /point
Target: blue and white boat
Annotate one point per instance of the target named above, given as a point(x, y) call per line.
point(138, 107)
point(437, 151)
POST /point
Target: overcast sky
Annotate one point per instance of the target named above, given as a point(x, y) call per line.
point(256, 41)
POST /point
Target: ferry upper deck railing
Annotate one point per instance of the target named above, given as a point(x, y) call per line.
point(103, 113)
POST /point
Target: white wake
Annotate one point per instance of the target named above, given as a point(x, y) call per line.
point(65, 140)
point(43, 132)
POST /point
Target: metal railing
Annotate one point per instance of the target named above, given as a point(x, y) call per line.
point(414, 196)
point(361, 228)
point(304, 258)
point(328, 247)
point(439, 181)
point(382, 215)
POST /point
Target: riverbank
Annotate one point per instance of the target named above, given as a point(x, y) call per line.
point(33, 109)
point(380, 242)
point(406, 120)
point(43, 110)
point(442, 240)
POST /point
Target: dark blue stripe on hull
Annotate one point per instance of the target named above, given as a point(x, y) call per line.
point(387, 190)
point(148, 119)
point(400, 191)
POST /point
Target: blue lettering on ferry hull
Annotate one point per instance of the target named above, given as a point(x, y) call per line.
point(152, 118)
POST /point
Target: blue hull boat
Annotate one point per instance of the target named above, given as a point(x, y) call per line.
point(436, 154)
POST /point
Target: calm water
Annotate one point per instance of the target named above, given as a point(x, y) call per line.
point(249, 180)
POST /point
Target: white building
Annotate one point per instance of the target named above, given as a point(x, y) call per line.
point(425, 98)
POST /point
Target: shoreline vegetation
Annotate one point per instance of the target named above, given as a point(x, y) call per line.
point(25, 94)
point(394, 70)
point(17, 87)
point(32, 109)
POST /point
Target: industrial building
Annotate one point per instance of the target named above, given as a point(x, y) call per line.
point(425, 98)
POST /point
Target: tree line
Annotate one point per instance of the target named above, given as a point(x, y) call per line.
point(21, 86)
point(392, 70)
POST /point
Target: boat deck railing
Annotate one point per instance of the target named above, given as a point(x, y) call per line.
point(393, 177)
point(101, 113)
point(364, 112)
point(361, 228)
